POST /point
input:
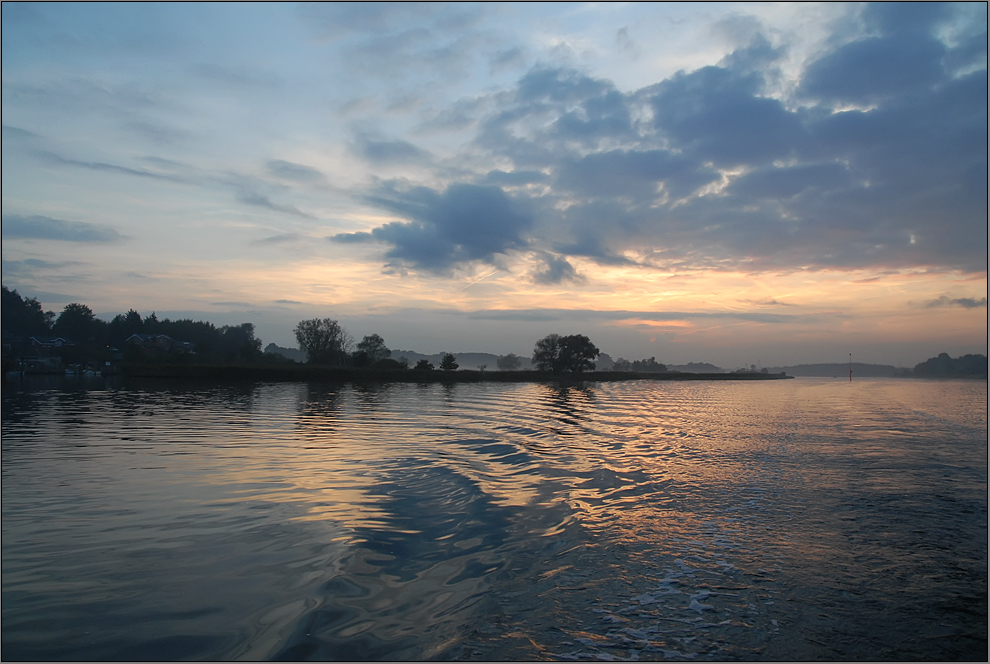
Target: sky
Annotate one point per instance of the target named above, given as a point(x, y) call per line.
point(739, 184)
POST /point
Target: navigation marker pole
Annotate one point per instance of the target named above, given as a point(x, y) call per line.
point(850, 367)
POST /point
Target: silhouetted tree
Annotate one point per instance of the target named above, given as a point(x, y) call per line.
point(509, 362)
point(76, 322)
point(945, 366)
point(547, 352)
point(24, 317)
point(123, 326)
point(649, 365)
point(449, 362)
point(324, 340)
point(571, 353)
point(374, 347)
point(389, 363)
point(423, 365)
point(239, 343)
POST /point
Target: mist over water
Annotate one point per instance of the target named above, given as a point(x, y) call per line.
point(801, 519)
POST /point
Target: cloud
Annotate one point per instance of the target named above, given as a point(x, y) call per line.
point(38, 227)
point(768, 302)
point(388, 152)
point(964, 302)
point(16, 133)
point(707, 168)
point(464, 223)
point(555, 270)
point(513, 179)
point(57, 159)
point(231, 304)
point(288, 170)
point(278, 239)
point(624, 315)
point(262, 201)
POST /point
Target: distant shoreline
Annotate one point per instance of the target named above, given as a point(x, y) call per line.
point(364, 375)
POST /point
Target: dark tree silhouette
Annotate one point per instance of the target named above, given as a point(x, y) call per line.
point(76, 322)
point(324, 340)
point(24, 317)
point(649, 365)
point(374, 347)
point(559, 354)
point(449, 362)
point(423, 365)
point(509, 362)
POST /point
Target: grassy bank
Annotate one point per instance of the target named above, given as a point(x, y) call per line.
point(305, 372)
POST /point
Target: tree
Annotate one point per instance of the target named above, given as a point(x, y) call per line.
point(579, 353)
point(508, 362)
point(324, 340)
point(449, 362)
point(24, 317)
point(76, 322)
point(374, 347)
point(571, 353)
point(239, 342)
point(123, 326)
point(423, 365)
point(546, 353)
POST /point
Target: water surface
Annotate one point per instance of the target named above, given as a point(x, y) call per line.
point(803, 519)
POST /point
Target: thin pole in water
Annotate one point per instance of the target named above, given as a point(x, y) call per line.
point(850, 367)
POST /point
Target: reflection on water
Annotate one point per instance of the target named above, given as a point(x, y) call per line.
point(806, 519)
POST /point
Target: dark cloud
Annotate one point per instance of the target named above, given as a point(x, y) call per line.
point(288, 302)
point(388, 152)
point(633, 173)
point(105, 167)
point(237, 77)
point(46, 228)
point(555, 270)
point(394, 40)
point(352, 238)
point(505, 58)
point(964, 302)
point(718, 115)
point(514, 179)
point(706, 168)
point(288, 170)
point(282, 238)
point(464, 223)
point(769, 302)
point(789, 181)
point(869, 70)
point(16, 133)
point(259, 200)
point(586, 314)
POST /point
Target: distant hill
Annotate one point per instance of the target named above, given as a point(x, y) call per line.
point(696, 367)
point(291, 353)
point(837, 369)
point(943, 366)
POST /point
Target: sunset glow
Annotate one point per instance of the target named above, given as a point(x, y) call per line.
point(728, 183)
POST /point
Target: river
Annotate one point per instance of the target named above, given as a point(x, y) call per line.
point(809, 519)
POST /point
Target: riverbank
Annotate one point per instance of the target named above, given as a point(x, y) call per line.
point(304, 372)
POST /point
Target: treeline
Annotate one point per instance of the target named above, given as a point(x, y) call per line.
point(27, 329)
point(943, 366)
point(327, 343)
point(649, 365)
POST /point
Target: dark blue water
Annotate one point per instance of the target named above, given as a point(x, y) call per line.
point(802, 519)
